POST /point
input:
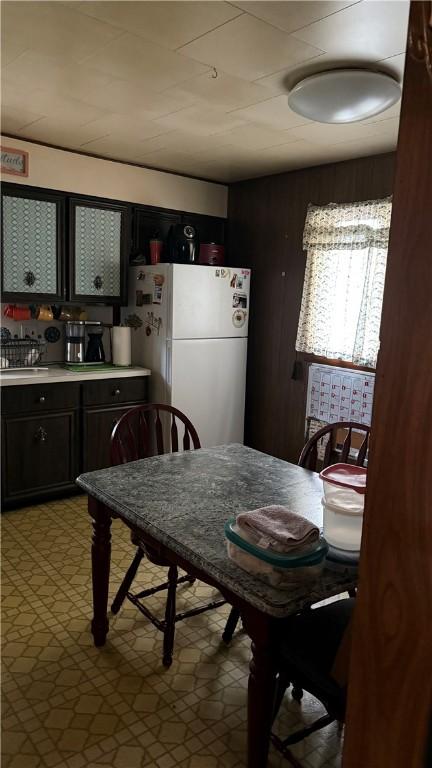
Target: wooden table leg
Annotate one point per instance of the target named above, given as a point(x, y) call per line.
point(101, 554)
point(261, 687)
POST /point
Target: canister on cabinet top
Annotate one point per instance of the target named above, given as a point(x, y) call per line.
point(212, 254)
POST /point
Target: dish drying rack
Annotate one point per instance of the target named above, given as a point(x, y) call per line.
point(20, 354)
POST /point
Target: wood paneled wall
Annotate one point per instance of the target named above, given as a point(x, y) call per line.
point(265, 226)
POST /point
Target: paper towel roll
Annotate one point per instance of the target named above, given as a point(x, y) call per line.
point(121, 347)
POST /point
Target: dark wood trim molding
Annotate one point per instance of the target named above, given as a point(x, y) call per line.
point(13, 185)
point(112, 159)
point(308, 358)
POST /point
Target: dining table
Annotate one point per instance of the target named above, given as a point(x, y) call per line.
point(178, 504)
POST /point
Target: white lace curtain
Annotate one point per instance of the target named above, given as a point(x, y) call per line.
point(344, 281)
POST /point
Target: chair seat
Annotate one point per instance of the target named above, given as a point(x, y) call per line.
point(309, 648)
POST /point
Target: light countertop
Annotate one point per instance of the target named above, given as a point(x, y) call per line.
point(57, 373)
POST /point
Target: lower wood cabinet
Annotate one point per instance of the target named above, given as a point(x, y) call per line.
point(40, 455)
point(51, 433)
point(98, 424)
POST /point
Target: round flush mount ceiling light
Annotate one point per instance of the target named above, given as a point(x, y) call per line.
point(344, 95)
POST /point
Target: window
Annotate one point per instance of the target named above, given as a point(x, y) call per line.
point(344, 281)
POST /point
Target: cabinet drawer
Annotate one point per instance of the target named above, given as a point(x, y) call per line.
point(98, 425)
point(40, 454)
point(40, 398)
point(113, 391)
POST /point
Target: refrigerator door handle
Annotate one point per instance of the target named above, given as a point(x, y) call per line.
point(169, 363)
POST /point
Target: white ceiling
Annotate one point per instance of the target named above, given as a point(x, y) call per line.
point(136, 81)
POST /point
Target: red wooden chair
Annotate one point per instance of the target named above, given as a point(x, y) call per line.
point(336, 446)
point(140, 434)
point(337, 443)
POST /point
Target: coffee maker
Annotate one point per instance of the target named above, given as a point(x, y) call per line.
point(183, 244)
point(75, 341)
point(75, 338)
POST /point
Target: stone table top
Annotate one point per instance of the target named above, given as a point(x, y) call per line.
point(184, 499)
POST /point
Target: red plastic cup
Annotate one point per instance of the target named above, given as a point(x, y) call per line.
point(155, 251)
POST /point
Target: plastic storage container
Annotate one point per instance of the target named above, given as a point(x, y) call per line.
point(344, 492)
point(274, 568)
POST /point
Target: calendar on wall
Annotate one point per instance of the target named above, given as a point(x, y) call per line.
point(339, 394)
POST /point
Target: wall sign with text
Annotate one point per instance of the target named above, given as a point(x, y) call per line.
point(14, 161)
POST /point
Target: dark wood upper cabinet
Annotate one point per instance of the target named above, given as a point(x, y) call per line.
point(57, 246)
point(157, 223)
point(148, 225)
point(32, 235)
point(99, 245)
point(209, 229)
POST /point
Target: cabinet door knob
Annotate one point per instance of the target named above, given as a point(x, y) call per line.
point(29, 278)
point(41, 435)
point(116, 392)
point(42, 399)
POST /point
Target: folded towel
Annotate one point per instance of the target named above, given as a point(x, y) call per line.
point(277, 528)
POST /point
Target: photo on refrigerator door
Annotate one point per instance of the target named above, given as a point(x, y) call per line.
point(239, 300)
point(237, 281)
point(239, 318)
point(158, 281)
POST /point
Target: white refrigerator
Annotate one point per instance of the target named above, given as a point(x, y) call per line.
point(192, 333)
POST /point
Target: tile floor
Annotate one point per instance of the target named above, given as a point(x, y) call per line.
point(66, 703)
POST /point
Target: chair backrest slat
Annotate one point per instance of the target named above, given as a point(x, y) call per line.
point(143, 436)
point(328, 448)
point(174, 435)
point(186, 439)
point(313, 457)
point(121, 451)
point(139, 433)
point(159, 435)
point(130, 442)
point(362, 451)
point(346, 447)
point(309, 456)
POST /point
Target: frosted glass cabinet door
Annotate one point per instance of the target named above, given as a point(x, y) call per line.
point(98, 237)
point(31, 246)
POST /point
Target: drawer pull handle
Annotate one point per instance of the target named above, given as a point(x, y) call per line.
point(116, 392)
point(41, 435)
point(42, 399)
point(29, 278)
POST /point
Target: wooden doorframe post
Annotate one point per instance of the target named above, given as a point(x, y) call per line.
point(390, 689)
